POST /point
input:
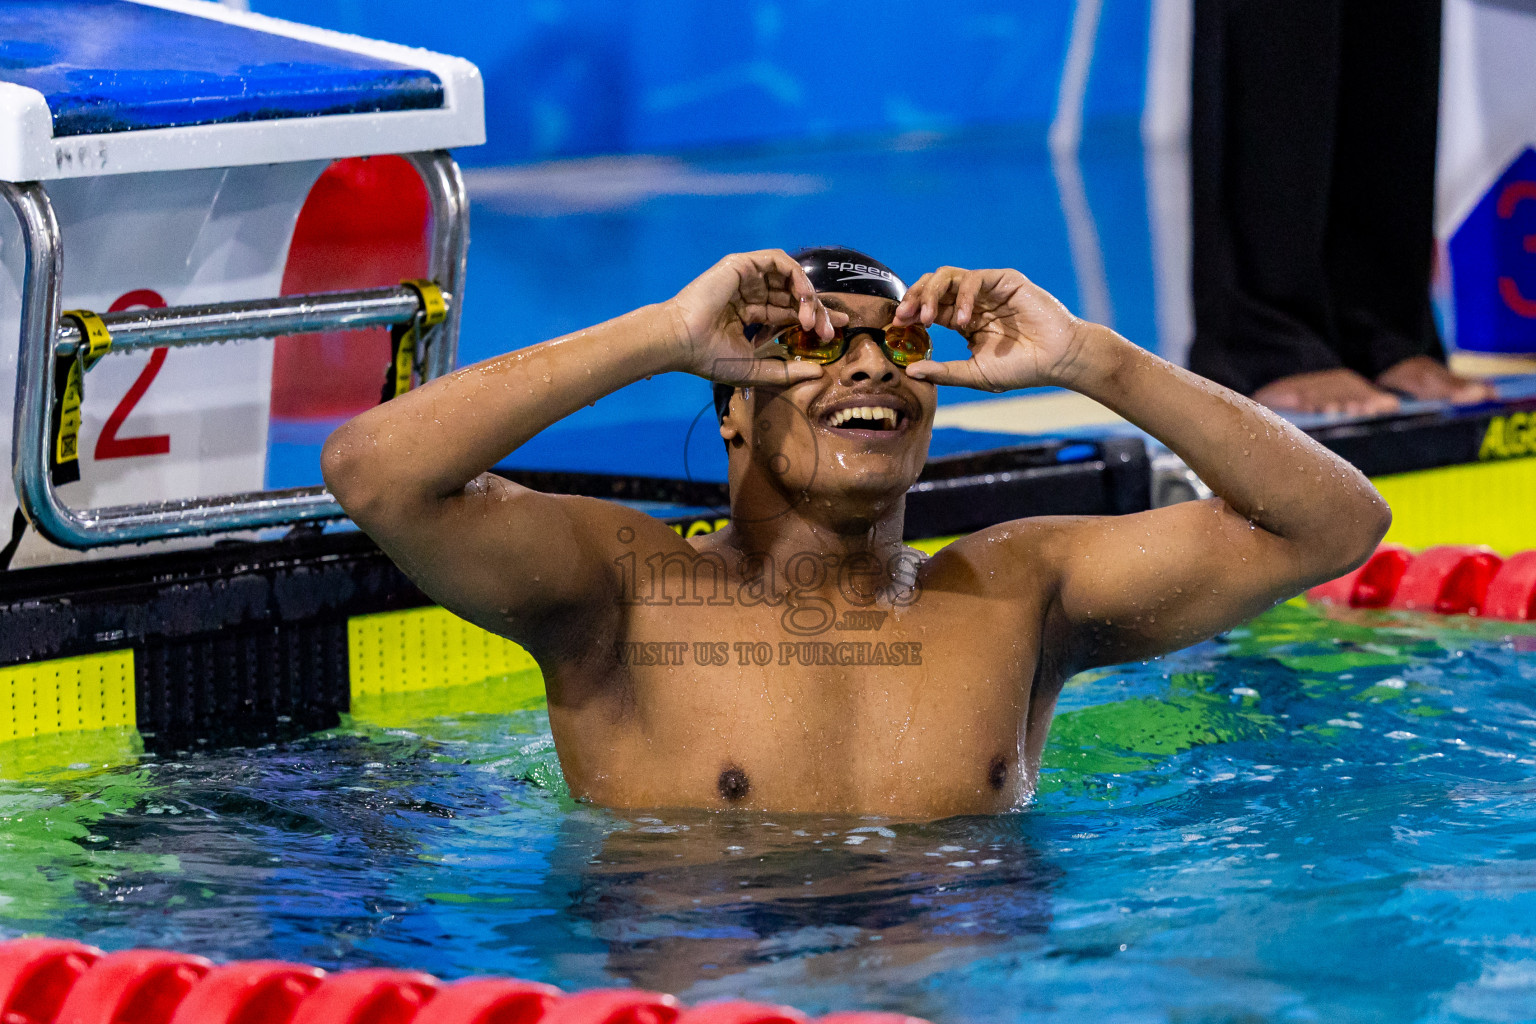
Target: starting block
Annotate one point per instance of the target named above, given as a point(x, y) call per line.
point(157, 156)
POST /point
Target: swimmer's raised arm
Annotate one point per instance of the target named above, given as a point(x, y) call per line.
point(1288, 513)
point(415, 472)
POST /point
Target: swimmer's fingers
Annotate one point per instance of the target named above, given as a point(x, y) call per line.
point(776, 309)
point(911, 303)
point(789, 293)
point(711, 316)
point(933, 298)
point(777, 270)
point(759, 372)
point(960, 373)
point(770, 316)
point(917, 306)
point(816, 317)
point(965, 299)
point(782, 308)
point(939, 305)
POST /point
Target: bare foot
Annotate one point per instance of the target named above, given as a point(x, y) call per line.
point(1430, 379)
point(1335, 391)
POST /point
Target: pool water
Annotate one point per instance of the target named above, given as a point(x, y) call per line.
point(1312, 818)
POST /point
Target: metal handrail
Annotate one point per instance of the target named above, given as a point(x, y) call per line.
point(450, 252)
point(42, 336)
point(176, 326)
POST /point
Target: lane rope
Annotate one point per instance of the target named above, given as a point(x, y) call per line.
point(58, 981)
point(1451, 579)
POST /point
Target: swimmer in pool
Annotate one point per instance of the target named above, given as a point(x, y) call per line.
point(802, 658)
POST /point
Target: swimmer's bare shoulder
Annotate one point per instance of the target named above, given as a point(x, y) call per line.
point(1110, 589)
point(1288, 514)
point(543, 570)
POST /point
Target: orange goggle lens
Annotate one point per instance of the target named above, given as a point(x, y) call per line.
point(798, 343)
point(901, 345)
point(906, 345)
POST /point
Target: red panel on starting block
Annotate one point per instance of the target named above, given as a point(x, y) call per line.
point(364, 225)
point(1452, 580)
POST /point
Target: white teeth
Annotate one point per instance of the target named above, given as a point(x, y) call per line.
point(865, 412)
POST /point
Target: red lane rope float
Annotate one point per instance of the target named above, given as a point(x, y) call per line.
point(373, 996)
point(1370, 586)
point(489, 1001)
point(614, 1006)
point(53, 981)
point(1450, 580)
point(136, 986)
point(36, 975)
point(248, 992)
point(1512, 592)
point(751, 1013)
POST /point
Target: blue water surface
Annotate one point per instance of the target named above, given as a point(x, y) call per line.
point(1309, 819)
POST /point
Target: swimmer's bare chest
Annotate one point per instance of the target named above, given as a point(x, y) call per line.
point(913, 709)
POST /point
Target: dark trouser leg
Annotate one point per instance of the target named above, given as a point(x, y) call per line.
point(1381, 240)
point(1262, 156)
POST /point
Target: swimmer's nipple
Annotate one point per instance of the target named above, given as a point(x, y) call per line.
point(733, 784)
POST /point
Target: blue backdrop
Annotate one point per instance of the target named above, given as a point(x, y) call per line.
point(582, 77)
point(912, 131)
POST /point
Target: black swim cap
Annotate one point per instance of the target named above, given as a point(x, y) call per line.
point(833, 268)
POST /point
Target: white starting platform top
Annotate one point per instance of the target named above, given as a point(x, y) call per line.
point(97, 87)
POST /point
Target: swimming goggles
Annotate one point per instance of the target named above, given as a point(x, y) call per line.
point(901, 345)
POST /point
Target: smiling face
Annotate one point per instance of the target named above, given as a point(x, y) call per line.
point(852, 440)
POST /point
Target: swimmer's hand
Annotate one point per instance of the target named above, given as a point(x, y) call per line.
point(712, 314)
point(1019, 334)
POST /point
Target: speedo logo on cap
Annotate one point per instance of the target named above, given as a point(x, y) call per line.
point(859, 272)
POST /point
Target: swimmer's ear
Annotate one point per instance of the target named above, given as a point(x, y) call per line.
point(728, 431)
